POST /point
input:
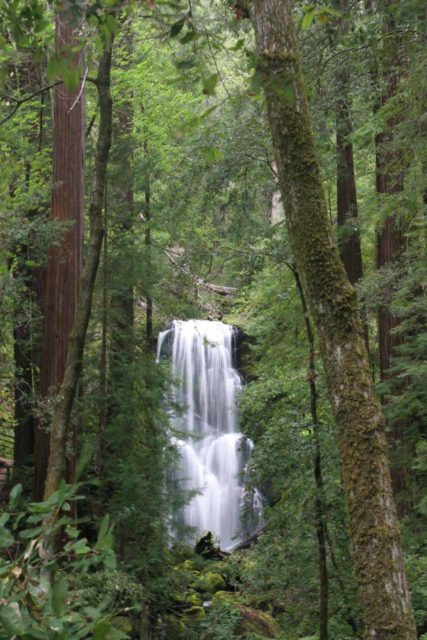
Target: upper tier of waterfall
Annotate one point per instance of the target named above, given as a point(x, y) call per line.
point(214, 453)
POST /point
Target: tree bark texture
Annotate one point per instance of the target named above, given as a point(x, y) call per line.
point(64, 261)
point(347, 210)
point(389, 180)
point(373, 523)
point(390, 236)
point(62, 412)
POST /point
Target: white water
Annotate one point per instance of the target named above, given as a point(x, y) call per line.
point(214, 455)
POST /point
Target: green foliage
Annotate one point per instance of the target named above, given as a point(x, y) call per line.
point(37, 601)
point(221, 622)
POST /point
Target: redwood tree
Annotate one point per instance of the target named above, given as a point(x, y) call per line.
point(67, 204)
point(62, 411)
point(389, 169)
point(391, 233)
point(360, 427)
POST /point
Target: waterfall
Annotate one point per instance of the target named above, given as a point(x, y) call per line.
point(213, 453)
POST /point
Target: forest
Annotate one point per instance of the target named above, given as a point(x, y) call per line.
point(213, 319)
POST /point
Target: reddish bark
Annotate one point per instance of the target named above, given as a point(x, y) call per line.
point(347, 210)
point(390, 166)
point(64, 261)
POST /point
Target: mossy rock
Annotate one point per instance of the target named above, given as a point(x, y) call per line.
point(209, 582)
point(194, 599)
point(194, 612)
point(221, 597)
point(256, 622)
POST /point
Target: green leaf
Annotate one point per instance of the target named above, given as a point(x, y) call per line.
point(14, 495)
point(6, 538)
point(188, 63)
point(176, 28)
point(4, 519)
point(11, 619)
point(307, 18)
point(239, 45)
point(58, 596)
point(80, 547)
point(209, 84)
point(31, 533)
point(189, 37)
point(104, 528)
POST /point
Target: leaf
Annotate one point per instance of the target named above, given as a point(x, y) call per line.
point(176, 28)
point(209, 84)
point(80, 547)
point(14, 495)
point(188, 63)
point(104, 528)
point(239, 45)
point(189, 37)
point(6, 538)
point(307, 19)
point(4, 518)
point(58, 596)
point(11, 619)
point(31, 533)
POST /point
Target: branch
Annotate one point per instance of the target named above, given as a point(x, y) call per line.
point(79, 95)
point(19, 101)
point(220, 290)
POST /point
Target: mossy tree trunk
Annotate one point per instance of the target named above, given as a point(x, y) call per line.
point(62, 412)
point(373, 524)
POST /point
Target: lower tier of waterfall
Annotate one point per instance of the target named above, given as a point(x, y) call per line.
point(213, 453)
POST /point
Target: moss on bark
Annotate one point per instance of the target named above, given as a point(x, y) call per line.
point(373, 523)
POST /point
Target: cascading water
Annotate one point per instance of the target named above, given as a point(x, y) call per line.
point(214, 454)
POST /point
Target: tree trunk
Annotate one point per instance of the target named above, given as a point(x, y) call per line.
point(319, 502)
point(149, 296)
point(64, 261)
point(390, 236)
point(347, 211)
point(389, 170)
point(122, 224)
point(373, 524)
point(29, 303)
point(62, 412)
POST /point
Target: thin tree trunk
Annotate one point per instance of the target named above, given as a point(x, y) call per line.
point(148, 297)
point(347, 210)
point(29, 303)
point(122, 223)
point(373, 523)
point(389, 181)
point(390, 236)
point(320, 502)
point(62, 412)
point(64, 261)
point(349, 244)
point(103, 402)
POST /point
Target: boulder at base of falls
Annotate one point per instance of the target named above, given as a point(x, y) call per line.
point(258, 623)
